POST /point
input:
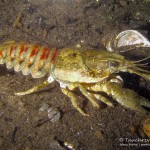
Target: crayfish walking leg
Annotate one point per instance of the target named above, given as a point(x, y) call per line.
point(34, 89)
point(73, 100)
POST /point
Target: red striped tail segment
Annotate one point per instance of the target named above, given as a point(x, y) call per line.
point(28, 58)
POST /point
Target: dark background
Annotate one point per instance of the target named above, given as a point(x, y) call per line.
point(60, 24)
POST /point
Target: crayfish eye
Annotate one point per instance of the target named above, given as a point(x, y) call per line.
point(113, 64)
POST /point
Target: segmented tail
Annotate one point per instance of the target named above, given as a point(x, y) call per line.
point(27, 58)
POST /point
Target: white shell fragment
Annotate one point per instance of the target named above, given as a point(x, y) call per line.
point(131, 37)
point(53, 114)
point(44, 107)
point(125, 38)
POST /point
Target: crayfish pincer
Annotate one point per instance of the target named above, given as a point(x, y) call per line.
point(92, 72)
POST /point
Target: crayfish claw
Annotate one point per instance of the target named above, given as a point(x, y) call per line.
point(128, 98)
point(104, 100)
point(145, 102)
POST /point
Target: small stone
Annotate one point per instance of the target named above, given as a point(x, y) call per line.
point(123, 3)
point(132, 129)
point(98, 134)
point(78, 45)
point(69, 146)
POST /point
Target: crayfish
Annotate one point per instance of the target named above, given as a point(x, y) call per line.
point(93, 72)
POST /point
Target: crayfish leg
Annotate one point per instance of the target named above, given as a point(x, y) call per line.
point(73, 100)
point(103, 99)
point(88, 95)
point(34, 89)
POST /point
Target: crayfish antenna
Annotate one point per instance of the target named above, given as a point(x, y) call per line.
point(135, 68)
point(143, 75)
